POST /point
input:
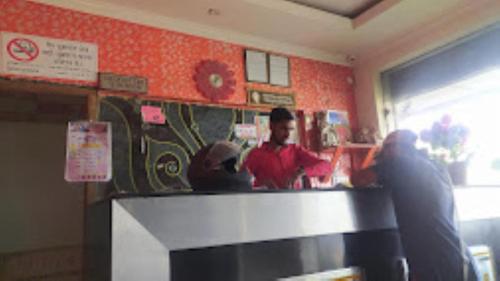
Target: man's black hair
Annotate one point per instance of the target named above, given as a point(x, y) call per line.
point(279, 114)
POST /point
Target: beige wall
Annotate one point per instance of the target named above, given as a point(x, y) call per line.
point(465, 18)
point(38, 209)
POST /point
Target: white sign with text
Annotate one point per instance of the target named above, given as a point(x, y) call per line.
point(245, 131)
point(35, 56)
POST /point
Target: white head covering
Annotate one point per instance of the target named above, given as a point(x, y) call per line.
point(220, 152)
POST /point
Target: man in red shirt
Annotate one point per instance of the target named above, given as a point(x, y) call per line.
point(278, 165)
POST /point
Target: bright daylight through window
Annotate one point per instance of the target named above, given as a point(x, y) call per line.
point(473, 103)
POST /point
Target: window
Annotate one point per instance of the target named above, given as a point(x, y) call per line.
point(473, 102)
point(461, 79)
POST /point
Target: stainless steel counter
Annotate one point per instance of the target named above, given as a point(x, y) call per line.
point(144, 230)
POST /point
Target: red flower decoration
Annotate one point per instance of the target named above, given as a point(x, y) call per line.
point(214, 80)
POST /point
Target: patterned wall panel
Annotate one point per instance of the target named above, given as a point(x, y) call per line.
point(154, 158)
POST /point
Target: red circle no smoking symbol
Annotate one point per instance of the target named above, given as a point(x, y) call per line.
point(22, 49)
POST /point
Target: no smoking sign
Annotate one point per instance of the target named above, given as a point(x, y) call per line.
point(22, 49)
point(29, 55)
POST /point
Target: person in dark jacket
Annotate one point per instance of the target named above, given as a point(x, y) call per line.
point(424, 206)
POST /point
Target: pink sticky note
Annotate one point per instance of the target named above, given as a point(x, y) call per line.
point(152, 114)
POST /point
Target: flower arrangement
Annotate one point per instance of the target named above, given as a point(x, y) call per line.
point(447, 141)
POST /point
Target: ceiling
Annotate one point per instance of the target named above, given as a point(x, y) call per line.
point(309, 28)
point(346, 8)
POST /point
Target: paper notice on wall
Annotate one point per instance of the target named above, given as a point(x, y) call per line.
point(263, 129)
point(28, 55)
point(152, 114)
point(245, 131)
point(88, 152)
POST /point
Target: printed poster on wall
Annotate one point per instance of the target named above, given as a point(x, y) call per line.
point(246, 131)
point(262, 128)
point(88, 152)
point(36, 56)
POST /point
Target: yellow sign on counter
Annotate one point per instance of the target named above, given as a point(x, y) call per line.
point(344, 274)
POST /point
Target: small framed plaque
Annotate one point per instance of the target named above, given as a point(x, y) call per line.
point(122, 83)
point(259, 98)
point(279, 71)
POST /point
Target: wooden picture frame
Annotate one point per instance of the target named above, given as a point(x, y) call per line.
point(269, 99)
point(279, 70)
point(256, 66)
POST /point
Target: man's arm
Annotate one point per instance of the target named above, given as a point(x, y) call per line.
point(313, 165)
point(393, 169)
point(363, 178)
point(375, 174)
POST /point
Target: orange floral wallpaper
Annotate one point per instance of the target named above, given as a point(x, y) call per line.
point(168, 59)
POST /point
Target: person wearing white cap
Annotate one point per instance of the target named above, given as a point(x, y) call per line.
point(424, 207)
point(213, 168)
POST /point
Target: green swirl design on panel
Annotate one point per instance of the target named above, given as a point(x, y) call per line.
point(154, 158)
point(208, 129)
point(174, 119)
point(123, 178)
point(166, 164)
point(195, 127)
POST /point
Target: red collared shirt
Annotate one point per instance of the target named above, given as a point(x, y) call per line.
point(279, 166)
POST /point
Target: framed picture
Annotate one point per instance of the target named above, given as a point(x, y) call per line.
point(334, 127)
point(279, 71)
point(256, 69)
point(337, 117)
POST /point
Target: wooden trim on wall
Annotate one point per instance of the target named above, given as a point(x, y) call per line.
point(91, 188)
point(23, 86)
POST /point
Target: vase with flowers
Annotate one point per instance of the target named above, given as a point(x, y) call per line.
point(447, 143)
